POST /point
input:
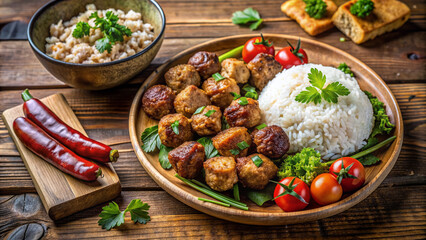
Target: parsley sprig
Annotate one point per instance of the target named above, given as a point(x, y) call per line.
point(111, 216)
point(248, 15)
point(315, 92)
point(315, 8)
point(362, 8)
point(112, 31)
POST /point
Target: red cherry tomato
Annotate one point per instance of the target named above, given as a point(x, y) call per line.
point(255, 46)
point(290, 202)
point(290, 56)
point(351, 175)
point(325, 189)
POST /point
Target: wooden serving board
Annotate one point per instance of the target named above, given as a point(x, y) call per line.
point(62, 194)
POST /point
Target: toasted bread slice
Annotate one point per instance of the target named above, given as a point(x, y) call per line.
point(387, 15)
point(295, 9)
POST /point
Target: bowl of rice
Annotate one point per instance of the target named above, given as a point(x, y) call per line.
point(79, 62)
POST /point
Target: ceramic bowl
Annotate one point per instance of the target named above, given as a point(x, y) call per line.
point(102, 75)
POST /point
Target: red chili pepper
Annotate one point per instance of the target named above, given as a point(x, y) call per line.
point(38, 141)
point(42, 116)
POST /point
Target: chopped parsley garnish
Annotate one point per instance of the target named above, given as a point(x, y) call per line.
point(217, 77)
point(150, 139)
point(199, 110)
point(209, 149)
point(362, 8)
point(329, 93)
point(112, 31)
point(242, 145)
point(243, 101)
point(248, 15)
point(234, 151)
point(257, 160)
point(315, 8)
point(235, 95)
point(209, 113)
point(111, 216)
point(175, 127)
point(250, 92)
point(346, 69)
point(261, 126)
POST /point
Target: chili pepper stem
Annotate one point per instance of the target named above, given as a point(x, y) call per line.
point(99, 173)
point(26, 95)
point(113, 155)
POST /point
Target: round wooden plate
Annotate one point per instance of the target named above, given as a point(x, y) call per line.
point(271, 215)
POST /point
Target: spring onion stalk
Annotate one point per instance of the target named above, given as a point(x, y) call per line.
point(224, 196)
point(211, 193)
point(236, 192)
point(200, 184)
point(373, 148)
point(215, 202)
point(233, 53)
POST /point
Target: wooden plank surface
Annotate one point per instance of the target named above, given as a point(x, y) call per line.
point(395, 210)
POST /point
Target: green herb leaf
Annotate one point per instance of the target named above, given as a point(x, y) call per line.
point(243, 101)
point(256, 24)
point(316, 78)
point(217, 77)
point(111, 216)
point(103, 45)
point(225, 124)
point(368, 160)
point(175, 127)
point(346, 69)
point(150, 139)
point(235, 95)
point(81, 29)
point(257, 160)
point(382, 123)
point(199, 110)
point(242, 145)
point(262, 196)
point(209, 113)
point(234, 151)
point(250, 91)
point(362, 8)
point(333, 90)
point(163, 157)
point(311, 94)
point(370, 142)
point(261, 126)
point(209, 149)
point(315, 8)
point(138, 211)
point(246, 16)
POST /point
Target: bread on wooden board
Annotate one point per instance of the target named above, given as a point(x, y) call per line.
point(387, 15)
point(295, 9)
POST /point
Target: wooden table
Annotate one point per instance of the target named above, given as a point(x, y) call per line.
point(397, 208)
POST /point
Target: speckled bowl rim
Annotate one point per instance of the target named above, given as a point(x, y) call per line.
point(40, 11)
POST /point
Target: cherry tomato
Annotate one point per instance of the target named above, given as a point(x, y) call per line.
point(325, 189)
point(255, 46)
point(296, 196)
point(290, 56)
point(351, 175)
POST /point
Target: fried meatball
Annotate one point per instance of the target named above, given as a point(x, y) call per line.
point(235, 69)
point(187, 159)
point(255, 177)
point(238, 115)
point(206, 63)
point(190, 99)
point(168, 137)
point(207, 125)
point(263, 69)
point(220, 92)
point(221, 174)
point(157, 101)
point(271, 141)
point(226, 142)
point(181, 76)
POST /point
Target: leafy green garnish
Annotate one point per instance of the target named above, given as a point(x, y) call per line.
point(246, 16)
point(243, 101)
point(250, 91)
point(257, 160)
point(175, 127)
point(362, 8)
point(346, 69)
point(368, 159)
point(209, 149)
point(261, 196)
point(305, 165)
point(217, 77)
point(111, 216)
point(163, 157)
point(242, 145)
point(209, 112)
point(329, 93)
point(199, 110)
point(261, 126)
point(315, 8)
point(150, 139)
point(382, 124)
point(235, 95)
point(225, 124)
point(234, 151)
point(112, 31)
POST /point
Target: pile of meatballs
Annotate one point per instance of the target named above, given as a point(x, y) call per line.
point(179, 100)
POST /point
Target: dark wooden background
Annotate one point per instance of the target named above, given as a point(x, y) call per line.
point(396, 209)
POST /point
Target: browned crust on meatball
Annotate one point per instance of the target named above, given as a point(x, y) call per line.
point(228, 139)
point(181, 76)
point(263, 69)
point(221, 174)
point(220, 92)
point(206, 63)
point(271, 141)
point(204, 125)
point(243, 116)
point(188, 100)
point(157, 101)
point(170, 138)
point(187, 159)
point(235, 69)
point(255, 177)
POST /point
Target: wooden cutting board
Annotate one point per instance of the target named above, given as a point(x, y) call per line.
point(62, 194)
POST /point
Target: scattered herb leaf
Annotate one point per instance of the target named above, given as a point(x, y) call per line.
point(217, 77)
point(234, 151)
point(315, 8)
point(150, 139)
point(209, 112)
point(225, 124)
point(175, 127)
point(250, 91)
point(257, 160)
point(138, 211)
point(209, 149)
point(242, 145)
point(235, 95)
point(243, 101)
point(199, 110)
point(346, 69)
point(261, 126)
point(163, 157)
point(248, 15)
point(362, 8)
point(81, 29)
point(111, 216)
point(342, 39)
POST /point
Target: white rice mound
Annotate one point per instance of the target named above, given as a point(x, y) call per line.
point(334, 130)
